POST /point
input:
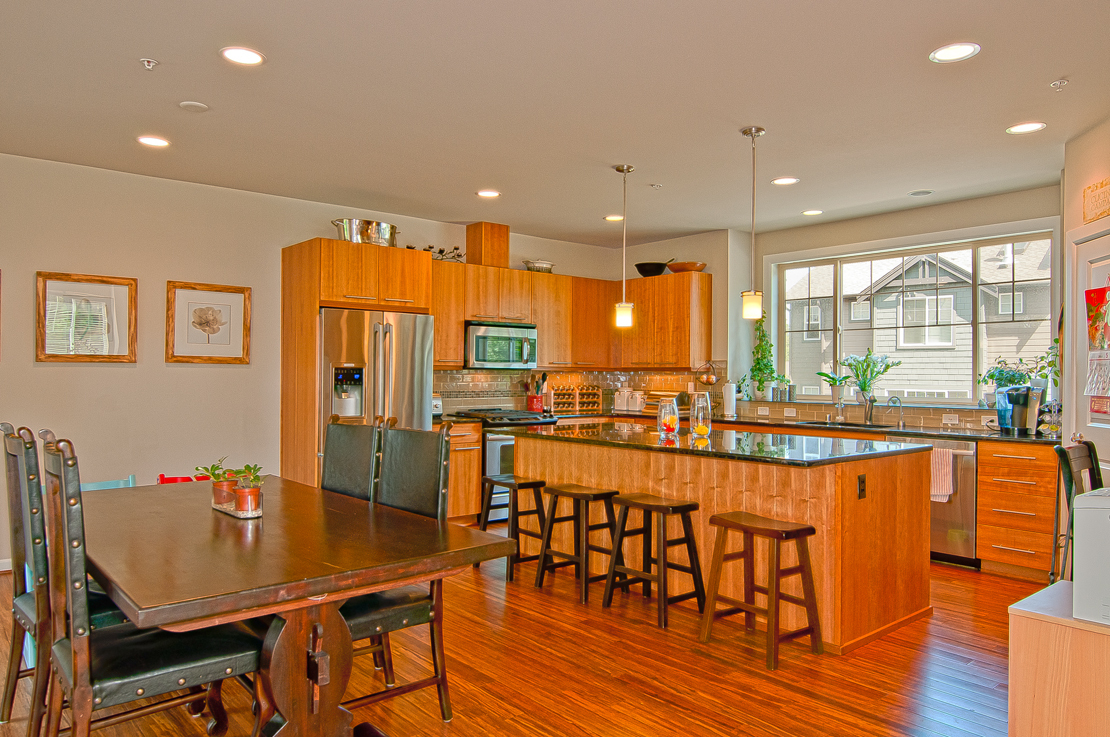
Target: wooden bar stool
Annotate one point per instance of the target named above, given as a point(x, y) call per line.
point(752, 525)
point(582, 497)
point(514, 484)
point(663, 507)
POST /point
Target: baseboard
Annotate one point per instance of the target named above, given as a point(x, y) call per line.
point(848, 647)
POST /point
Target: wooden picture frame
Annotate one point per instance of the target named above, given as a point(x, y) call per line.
point(207, 323)
point(78, 318)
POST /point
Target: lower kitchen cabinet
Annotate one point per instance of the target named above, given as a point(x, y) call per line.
point(464, 493)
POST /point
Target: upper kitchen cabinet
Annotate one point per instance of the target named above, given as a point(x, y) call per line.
point(448, 290)
point(493, 293)
point(404, 278)
point(594, 340)
point(551, 311)
point(672, 322)
point(348, 271)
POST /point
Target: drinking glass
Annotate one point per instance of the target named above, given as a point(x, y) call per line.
point(701, 414)
point(667, 419)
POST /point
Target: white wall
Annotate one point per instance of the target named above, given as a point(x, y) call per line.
point(741, 332)
point(572, 259)
point(1086, 162)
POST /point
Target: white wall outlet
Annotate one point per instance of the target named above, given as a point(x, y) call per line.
point(950, 419)
point(789, 412)
point(986, 419)
point(763, 411)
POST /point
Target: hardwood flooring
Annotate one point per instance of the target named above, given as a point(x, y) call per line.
point(526, 663)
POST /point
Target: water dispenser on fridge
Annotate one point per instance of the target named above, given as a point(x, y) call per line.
point(348, 390)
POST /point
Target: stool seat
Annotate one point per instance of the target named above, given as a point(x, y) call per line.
point(512, 481)
point(762, 526)
point(580, 492)
point(652, 503)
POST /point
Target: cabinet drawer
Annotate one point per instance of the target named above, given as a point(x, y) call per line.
point(466, 435)
point(1029, 512)
point(1017, 456)
point(1039, 483)
point(1016, 547)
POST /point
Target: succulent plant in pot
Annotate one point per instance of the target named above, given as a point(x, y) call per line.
point(248, 493)
point(223, 480)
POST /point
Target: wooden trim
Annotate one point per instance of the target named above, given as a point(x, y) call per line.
point(41, 277)
point(171, 320)
point(870, 637)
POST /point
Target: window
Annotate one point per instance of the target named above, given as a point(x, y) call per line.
point(810, 389)
point(946, 312)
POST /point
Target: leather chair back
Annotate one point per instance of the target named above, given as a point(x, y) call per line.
point(26, 515)
point(414, 471)
point(1073, 462)
point(350, 459)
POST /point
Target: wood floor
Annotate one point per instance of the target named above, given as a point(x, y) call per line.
point(524, 662)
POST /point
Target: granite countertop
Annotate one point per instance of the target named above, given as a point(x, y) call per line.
point(787, 450)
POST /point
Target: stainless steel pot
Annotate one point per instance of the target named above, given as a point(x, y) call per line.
point(357, 230)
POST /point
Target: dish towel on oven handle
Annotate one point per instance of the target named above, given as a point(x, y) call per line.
point(942, 463)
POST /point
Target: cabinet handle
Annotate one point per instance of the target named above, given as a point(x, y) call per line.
point(449, 360)
point(357, 296)
point(397, 299)
point(1016, 550)
point(642, 363)
point(1011, 511)
point(488, 317)
point(559, 363)
point(1020, 458)
point(1015, 481)
point(515, 317)
point(460, 432)
point(585, 363)
point(469, 447)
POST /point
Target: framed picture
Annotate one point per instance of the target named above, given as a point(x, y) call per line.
point(207, 323)
point(80, 318)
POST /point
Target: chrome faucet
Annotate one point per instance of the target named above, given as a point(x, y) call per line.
point(868, 408)
point(891, 404)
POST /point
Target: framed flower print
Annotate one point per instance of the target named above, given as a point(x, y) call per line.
point(85, 318)
point(207, 323)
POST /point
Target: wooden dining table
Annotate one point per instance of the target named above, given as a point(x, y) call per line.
point(170, 560)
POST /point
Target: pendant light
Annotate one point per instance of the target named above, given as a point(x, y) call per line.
point(752, 300)
point(624, 307)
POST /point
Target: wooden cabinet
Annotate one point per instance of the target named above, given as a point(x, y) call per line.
point(1016, 506)
point(672, 322)
point(594, 339)
point(516, 295)
point(551, 311)
point(448, 295)
point(493, 293)
point(464, 493)
point(348, 271)
point(404, 279)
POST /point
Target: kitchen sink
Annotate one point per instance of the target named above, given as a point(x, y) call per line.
point(827, 423)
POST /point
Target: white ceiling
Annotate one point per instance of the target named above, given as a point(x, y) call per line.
point(411, 106)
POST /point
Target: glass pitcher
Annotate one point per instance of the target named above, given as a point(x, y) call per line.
point(667, 419)
point(701, 414)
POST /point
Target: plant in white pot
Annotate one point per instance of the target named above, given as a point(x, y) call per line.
point(836, 384)
point(866, 372)
point(762, 373)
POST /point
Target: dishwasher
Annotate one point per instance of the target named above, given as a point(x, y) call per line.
point(952, 499)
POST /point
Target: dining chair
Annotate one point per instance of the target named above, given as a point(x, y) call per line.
point(1081, 473)
point(113, 484)
point(96, 669)
point(164, 479)
point(350, 457)
point(411, 476)
point(30, 590)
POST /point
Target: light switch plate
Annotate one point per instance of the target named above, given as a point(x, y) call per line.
point(763, 411)
point(950, 419)
point(789, 412)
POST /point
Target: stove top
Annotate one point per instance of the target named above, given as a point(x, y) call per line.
point(497, 417)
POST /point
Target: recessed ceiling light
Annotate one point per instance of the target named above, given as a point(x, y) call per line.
point(812, 212)
point(614, 218)
point(193, 107)
point(1031, 127)
point(153, 141)
point(241, 55)
point(488, 193)
point(954, 52)
point(920, 193)
point(783, 181)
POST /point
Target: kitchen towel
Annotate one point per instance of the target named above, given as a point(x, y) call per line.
point(942, 475)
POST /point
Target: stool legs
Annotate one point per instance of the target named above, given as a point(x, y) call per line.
point(773, 588)
point(618, 542)
point(809, 593)
point(515, 514)
point(661, 568)
point(695, 564)
point(514, 533)
point(716, 564)
point(545, 540)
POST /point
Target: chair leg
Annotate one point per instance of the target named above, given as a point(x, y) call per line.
point(618, 542)
point(266, 708)
point(661, 570)
point(15, 660)
point(80, 713)
point(483, 516)
point(645, 541)
point(387, 661)
point(217, 725)
point(773, 604)
point(379, 659)
point(54, 695)
point(749, 579)
point(611, 518)
point(576, 517)
point(545, 539)
point(810, 595)
point(514, 534)
point(439, 661)
point(41, 680)
point(537, 497)
point(582, 514)
point(715, 566)
point(695, 563)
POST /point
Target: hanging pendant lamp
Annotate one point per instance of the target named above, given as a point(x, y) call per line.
point(624, 307)
point(752, 300)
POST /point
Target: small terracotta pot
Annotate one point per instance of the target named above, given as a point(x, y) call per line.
point(247, 500)
point(221, 491)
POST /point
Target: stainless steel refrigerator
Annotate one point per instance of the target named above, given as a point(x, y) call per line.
point(375, 363)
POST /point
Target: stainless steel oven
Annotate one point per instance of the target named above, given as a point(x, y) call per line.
point(492, 345)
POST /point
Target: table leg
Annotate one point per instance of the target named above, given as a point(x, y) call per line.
point(306, 663)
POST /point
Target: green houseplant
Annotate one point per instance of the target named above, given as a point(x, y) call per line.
point(762, 371)
point(248, 496)
point(223, 480)
point(836, 384)
point(868, 369)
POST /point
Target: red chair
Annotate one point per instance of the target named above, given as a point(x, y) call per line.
point(164, 479)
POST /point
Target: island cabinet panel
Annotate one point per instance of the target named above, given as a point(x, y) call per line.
point(672, 322)
point(405, 279)
point(348, 271)
point(870, 556)
point(464, 493)
point(594, 339)
point(1016, 507)
point(516, 295)
point(551, 312)
point(448, 295)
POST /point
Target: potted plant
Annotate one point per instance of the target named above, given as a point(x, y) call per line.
point(762, 373)
point(223, 481)
point(248, 495)
point(836, 384)
point(866, 372)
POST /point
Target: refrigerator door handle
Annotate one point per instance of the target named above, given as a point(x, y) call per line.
point(377, 363)
point(387, 369)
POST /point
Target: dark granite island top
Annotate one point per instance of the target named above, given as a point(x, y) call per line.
point(780, 448)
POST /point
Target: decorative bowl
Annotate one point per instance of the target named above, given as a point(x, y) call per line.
point(651, 268)
point(680, 266)
point(541, 266)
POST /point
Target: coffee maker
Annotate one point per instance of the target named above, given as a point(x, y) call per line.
point(1018, 409)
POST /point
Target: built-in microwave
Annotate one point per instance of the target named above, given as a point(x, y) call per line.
point(495, 345)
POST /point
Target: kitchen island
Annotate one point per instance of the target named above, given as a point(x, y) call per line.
point(868, 500)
